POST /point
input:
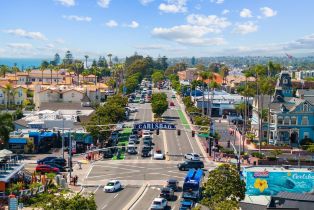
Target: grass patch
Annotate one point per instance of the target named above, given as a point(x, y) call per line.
point(183, 119)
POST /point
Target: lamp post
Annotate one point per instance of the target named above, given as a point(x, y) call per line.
point(62, 137)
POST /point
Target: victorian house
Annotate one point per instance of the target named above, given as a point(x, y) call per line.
point(291, 118)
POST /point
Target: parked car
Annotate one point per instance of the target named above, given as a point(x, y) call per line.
point(192, 156)
point(112, 186)
point(167, 193)
point(42, 168)
point(158, 155)
point(49, 158)
point(159, 203)
point(189, 164)
point(172, 103)
point(146, 133)
point(173, 184)
point(107, 153)
point(55, 165)
point(60, 161)
point(142, 101)
point(148, 143)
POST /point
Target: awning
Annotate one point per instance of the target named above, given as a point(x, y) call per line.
point(17, 141)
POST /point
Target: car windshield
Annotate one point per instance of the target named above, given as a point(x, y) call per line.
point(110, 184)
point(190, 186)
point(157, 203)
point(196, 155)
point(158, 152)
point(165, 190)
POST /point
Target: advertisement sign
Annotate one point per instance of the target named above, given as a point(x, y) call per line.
point(271, 183)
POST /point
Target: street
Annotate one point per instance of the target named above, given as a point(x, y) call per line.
point(144, 177)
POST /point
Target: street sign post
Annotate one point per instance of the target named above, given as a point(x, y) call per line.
point(154, 126)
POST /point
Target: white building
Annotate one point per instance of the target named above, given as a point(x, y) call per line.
point(303, 74)
point(222, 102)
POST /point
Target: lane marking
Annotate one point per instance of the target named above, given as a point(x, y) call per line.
point(96, 189)
point(92, 166)
point(104, 206)
point(116, 195)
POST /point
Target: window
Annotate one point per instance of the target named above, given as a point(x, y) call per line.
point(306, 135)
point(265, 134)
point(279, 120)
point(286, 121)
point(293, 120)
point(305, 120)
point(305, 107)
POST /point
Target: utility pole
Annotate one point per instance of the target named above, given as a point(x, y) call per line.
point(70, 153)
point(62, 137)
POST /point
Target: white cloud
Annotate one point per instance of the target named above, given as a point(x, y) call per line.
point(246, 13)
point(145, 2)
point(77, 18)
point(152, 47)
point(174, 6)
point(26, 34)
point(217, 1)
point(133, 24)
point(68, 3)
point(268, 12)
point(211, 20)
point(20, 45)
point(188, 34)
point(103, 3)
point(112, 24)
point(245, 28)
point(59, 41)
point(225, 11)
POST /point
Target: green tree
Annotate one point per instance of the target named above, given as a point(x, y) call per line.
point(42, 69)
point(6, 126)
point(159, 103)
point(157, 76)
point(50, 67)
point(3, 70)
point(223, 186)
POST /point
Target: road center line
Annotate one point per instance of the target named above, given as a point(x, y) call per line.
point(96, 189)
point(116, 195)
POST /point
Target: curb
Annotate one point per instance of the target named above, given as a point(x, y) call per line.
point(136, 197)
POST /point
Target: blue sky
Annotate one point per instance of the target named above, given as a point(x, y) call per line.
point(175, 28)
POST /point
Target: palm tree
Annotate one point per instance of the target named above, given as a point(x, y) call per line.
point(56, 69)
point(110, 62)
point(50, 67)
point(224, 71)
point(42, 69)
point(4, 69)
point(84, 74)
point(86, 57)
point(10, 91)
point(28, 70)
point(204, 76)
point(6, 126)
point(78, 66)
point(15, 69)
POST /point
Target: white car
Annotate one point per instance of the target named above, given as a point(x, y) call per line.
point(112, 186)
point(146, 133)
point(131, 144)
point(159, 203)
point(142, 101)
point(192, 156)
point(158, 155)
point(132, 109)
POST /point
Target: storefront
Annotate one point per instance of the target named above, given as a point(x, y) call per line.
point(272, 180)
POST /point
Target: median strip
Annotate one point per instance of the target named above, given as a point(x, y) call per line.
point(183, 119)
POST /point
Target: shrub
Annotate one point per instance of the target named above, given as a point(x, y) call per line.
point(258, 155)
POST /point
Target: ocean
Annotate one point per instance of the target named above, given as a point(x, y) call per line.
point(22, 63)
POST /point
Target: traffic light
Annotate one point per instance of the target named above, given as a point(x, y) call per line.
point(157, 132)
point(193, 133)
point(178, 132)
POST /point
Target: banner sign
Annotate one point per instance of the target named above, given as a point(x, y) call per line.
point(271, 183)
point(154, 126)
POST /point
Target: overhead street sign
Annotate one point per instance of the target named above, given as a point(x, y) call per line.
point(154, 126)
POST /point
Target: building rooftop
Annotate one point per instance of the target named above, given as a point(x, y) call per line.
point(277, 169)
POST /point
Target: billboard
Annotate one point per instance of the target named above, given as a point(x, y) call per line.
point(271, 183)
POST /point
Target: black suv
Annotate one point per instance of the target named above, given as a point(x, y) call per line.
point(173, 184)
point(167, 193)
point(146, 151)
point(189, 164)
